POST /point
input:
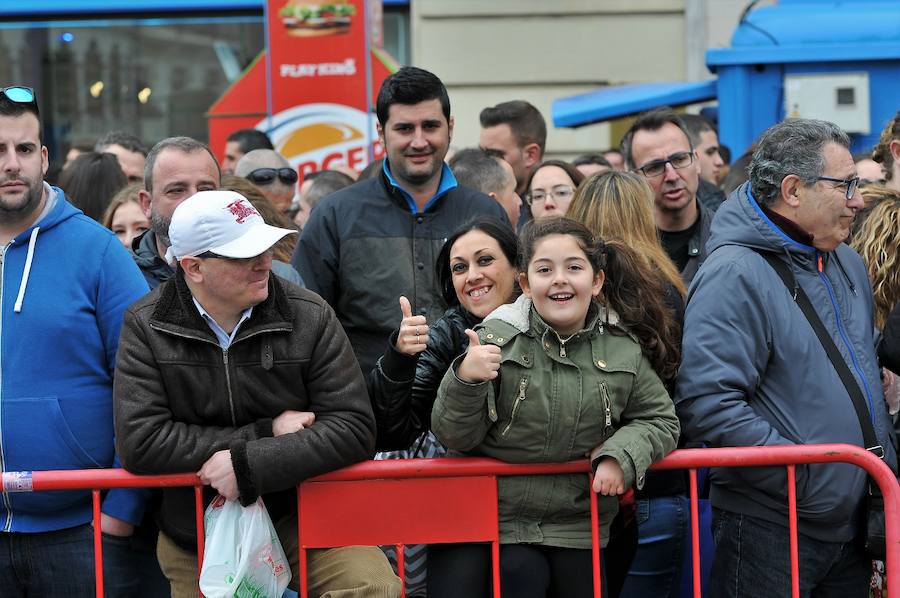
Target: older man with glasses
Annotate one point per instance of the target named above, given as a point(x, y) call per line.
point(271, 172)
point(778, 350)
point(659, 148)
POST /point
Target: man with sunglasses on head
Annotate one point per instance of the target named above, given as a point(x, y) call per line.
point(778, 349)
point(65, 283)
point(658, 146)
point(268, 170)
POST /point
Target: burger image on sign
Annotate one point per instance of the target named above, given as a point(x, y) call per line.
point(306, 19)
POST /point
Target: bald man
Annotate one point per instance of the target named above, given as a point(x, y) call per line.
point(271, 172)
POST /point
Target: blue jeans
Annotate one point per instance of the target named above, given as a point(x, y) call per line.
point(662, 545)
point(753, 559)
point(61, 563)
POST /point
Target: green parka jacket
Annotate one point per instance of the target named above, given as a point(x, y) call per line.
point(556, 400)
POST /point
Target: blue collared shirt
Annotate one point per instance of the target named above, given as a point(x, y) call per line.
point(223, 337)
point(448, 182)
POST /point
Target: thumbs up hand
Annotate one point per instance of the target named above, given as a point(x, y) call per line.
point(481, 363)
point(412, 338)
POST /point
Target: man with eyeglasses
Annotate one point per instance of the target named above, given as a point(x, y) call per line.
point(272, 173)
point(229, 372)
point(65, 284)
point(755, 373)
point(658, 147)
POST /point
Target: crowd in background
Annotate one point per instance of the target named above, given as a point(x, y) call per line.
point(517, 282)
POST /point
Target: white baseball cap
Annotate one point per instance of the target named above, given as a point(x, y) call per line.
point(221, 222)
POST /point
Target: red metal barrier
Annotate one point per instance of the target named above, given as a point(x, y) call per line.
point(349, 481)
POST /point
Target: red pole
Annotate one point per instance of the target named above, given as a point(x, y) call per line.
point(201, 529)
point(401, 568)
point(695, 533)
point(98, 545)
point(595, 539)
point(792, 530)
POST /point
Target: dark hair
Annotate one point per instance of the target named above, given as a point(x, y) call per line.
point(250, 139)
point(10, 108)
point(372, 169)
point(325, 183)
point(791, 147)
point(409, 86)
point(591, 159)
point(631, 289)
point(502, 233)
point(185, 145)
point(696, 125)
point(574, 174)
point(524, 120)
point(652, 120)
point(724, 152)
point(120, 138)
point(91, 181)
point(479, 170)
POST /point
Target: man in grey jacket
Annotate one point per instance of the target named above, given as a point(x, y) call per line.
point(755, 374)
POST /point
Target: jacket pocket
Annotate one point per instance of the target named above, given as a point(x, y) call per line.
point(517, 405)
point(43, 438)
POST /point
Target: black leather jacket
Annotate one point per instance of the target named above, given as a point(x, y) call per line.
point(403, 388)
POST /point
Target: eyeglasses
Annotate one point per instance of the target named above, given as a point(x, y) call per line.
point(852, 184)
point(678, 160)
point(560, 193)
point(264, 176)
point(18, 94)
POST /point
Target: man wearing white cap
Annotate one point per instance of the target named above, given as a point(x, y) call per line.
point(225, 371)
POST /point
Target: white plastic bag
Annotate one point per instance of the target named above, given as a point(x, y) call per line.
point(243, 557)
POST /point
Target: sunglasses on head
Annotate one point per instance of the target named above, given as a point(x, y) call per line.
point(18, 94)
point(264, 176)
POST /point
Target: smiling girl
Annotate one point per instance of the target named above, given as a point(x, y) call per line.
point(569, 368)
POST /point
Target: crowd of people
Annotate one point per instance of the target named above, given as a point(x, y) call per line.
point(167, 313)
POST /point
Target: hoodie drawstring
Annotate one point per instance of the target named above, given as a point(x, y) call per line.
point(32, 241)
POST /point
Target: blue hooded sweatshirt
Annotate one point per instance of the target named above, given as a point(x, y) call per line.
point(754, 373)
point(64, 286)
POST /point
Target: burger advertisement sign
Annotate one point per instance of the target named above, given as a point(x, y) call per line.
point(313, 93)
point(311, 19)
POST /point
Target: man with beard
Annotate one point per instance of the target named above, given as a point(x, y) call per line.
point(176, 168)
point(65, 285)
point(368, 244)
point(658, 147)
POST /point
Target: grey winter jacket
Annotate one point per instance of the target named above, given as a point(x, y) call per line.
point(754, 373)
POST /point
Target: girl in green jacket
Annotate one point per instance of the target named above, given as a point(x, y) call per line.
point(571, 367)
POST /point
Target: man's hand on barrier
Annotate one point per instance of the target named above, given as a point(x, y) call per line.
point(609, 479)
point(292, 421)
point(115, 527)
point(412, 337)
point(218, 472)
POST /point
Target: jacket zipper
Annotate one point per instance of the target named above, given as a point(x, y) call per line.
point(7, 525)
point(843, 334)
point(607, 408)
point(224, 360)
point(523, 384)
point(228, 385)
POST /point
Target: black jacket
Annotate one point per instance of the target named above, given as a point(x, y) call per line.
point(179, 397)
point(403, 388)
point(697, 245)
point(362, 248)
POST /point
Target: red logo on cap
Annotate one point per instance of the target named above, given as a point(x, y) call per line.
point(241, 210)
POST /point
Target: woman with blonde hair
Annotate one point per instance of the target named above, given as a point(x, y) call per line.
point(619, 205)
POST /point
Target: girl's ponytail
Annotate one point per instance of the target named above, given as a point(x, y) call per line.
point(637, 294)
